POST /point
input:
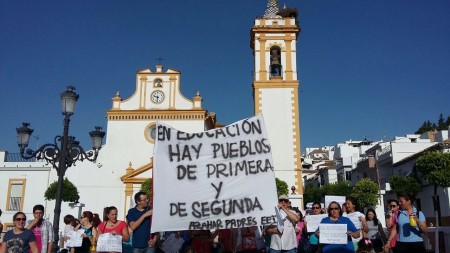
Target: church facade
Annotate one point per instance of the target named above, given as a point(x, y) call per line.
point(126, 159)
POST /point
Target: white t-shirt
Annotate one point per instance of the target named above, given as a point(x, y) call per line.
point(354, 217)
point(286, 240)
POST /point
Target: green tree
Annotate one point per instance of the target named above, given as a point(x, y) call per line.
point(337, 189)
point(282, 187)
point(441, 123)
point(69, 191)
point(405, 185)
point(311, 194)
point(366, 193)
point(426, 126)
point(147, 187)
point(434, 167)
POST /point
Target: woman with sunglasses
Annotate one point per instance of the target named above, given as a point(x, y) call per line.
point(313, 241)
point(335, 217)
point(19, 239)
point(391, 221)
point(89, 222)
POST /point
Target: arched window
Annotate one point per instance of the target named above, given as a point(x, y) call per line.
point(275, 61)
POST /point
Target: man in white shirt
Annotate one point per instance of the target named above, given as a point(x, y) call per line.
point(284, 241)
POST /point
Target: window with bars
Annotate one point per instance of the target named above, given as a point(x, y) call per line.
point(16, 192)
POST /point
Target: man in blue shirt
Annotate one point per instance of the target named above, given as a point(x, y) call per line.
point(140, 222)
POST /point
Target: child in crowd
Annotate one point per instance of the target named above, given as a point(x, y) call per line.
point(365, 246)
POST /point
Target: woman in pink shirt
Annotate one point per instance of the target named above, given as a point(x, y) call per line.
point(112, 225)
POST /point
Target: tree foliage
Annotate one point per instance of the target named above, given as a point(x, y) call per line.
point(441, 124)
point(69, 191)
point(338, 189)
point(282, 187)
point(147, 187)
point(312, 193)
point(405, 185)
point(434, 167)
point(366, 193)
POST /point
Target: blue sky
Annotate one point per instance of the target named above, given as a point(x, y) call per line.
point(371, 69)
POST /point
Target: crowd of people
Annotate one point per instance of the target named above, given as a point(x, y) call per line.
point(405, 227)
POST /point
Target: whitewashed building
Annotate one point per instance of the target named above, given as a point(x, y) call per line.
point(125, 160)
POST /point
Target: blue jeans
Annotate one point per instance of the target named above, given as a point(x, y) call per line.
point(294, 250)
point(144, 250)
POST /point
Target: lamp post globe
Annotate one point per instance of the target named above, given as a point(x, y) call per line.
point(64, 152)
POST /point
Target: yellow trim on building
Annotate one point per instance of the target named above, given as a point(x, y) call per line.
point(296, 135)
point(276, 83)
point(138, 115)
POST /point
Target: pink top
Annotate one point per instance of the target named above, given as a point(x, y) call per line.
point(300, 225)
point(118, 229)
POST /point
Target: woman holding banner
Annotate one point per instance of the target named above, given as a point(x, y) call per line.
point(112, 225)
point(335, 217)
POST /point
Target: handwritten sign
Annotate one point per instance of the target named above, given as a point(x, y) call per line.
point(331, 198)
point(75, 239)
point(222, 178)
point(355, 218)
point(313, 221)
point(333, 233)
point(108, 242)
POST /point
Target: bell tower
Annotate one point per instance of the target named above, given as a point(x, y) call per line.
point(276, 88)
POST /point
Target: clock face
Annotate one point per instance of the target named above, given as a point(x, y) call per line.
point(157, 97)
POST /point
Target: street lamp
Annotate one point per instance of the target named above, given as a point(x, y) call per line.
point(61, 156)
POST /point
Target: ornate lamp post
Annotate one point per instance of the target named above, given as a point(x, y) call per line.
point(63, 152)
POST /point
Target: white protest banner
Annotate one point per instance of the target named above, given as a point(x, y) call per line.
point(108, 242)
point(312, 221)
point(331, 198)
point(222, 178)
point(333, 233)
point(354, 217)
point(75, 239)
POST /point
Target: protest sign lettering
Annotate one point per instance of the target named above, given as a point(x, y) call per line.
point(333, 233)
point(108, 242)
point(221, 178)
point(313, 221)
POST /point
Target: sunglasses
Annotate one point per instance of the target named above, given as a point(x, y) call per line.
point(283, 200)
point(20, 219)
point(333, 208)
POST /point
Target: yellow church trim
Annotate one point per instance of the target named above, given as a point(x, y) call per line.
point(296, 135)
point(262, 55)
point(288, 69)
point(130, 178)
point(276, 84)
point(138, 115)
